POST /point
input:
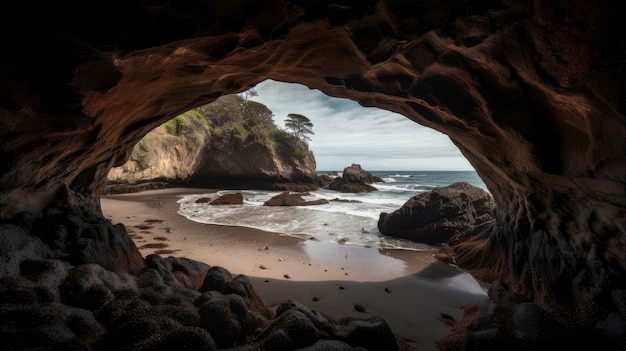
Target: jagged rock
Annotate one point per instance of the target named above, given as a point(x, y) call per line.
point(16, 246)
point(355, 174)
point(511, 320)
point(171, 303)
point(325, 180)
point(228, 199)
point(297, 326)
point(434, 217)
point(354, 180)
point(288, 199)
point(49, 326)
point(112, 189)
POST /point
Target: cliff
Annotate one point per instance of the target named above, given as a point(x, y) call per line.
point(232, 143)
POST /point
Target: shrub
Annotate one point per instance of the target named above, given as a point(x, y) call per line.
point(240, 132)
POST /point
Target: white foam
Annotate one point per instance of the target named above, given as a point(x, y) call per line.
point(465, 282)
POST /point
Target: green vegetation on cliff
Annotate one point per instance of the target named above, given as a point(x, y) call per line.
point(237, 122)
point(230, 137)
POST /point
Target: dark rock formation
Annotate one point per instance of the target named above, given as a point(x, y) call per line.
point(508, 316)
point(354, 180)
point(434, 217)
point(325, 180)
point(355, 174)
point(228, 199)
point(532, 93)
point(128, 188)
point(288, 199)
point(168, 303)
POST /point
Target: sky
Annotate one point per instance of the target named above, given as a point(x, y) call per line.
point(347, 133)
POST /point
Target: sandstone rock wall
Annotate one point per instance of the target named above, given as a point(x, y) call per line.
point(191, 152)
point(532, 93)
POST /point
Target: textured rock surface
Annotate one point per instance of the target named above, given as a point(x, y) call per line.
point(47, 303)
point(532, 93)
point(200, 156)
point(354, 180)
point(434, 217)
point(288, 199)
point(228, 199)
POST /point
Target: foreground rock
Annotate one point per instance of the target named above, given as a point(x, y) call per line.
point(511, 321)
point(88, 303)
point(354, 180)
point(288, 199)
point(434, 217)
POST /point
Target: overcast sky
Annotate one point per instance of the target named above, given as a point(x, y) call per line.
point(347, 133)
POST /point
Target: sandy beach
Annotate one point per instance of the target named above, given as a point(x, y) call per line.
point(411, 290)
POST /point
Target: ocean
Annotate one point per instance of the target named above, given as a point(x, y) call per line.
point(347, 219)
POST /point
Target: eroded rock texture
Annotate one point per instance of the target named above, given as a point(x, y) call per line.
point(435, 216)
point(47, 303)
point(532, 93)
point(354, 179)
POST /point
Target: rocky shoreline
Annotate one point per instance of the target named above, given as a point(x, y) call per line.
point(74, 280)
point(77, 282)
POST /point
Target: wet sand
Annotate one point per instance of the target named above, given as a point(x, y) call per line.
point(411, 290)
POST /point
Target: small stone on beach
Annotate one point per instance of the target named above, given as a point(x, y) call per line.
point(447, 319)
point(262, 266)
point(315, 299)
point(341, 288)
point(387, 290)
point(287, 276)
point(360, 308)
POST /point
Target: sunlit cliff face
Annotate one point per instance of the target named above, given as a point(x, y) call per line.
point(532, 94)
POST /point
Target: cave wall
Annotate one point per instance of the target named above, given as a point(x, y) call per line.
point(532, 93)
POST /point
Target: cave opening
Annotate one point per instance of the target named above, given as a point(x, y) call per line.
point(335, 243)
point(407, 159)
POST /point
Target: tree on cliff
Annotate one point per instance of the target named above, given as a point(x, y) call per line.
point(300, 126)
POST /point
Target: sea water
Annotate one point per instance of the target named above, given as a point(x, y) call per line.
point(348, 218)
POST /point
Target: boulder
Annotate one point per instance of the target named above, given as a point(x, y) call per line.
point(325, 180)
point(436, 216)
point(228, 199)
point(355, 173)
point(288, 199)
point(354, 180)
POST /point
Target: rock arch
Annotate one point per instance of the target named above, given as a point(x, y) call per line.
point(531, 93)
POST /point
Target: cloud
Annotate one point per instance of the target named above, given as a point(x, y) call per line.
point(346, 132)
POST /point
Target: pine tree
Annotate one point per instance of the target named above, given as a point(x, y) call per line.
point(300, 126)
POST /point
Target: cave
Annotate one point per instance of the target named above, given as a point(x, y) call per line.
point(532, 94)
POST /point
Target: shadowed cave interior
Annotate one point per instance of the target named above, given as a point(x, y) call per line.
point(531, 93)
